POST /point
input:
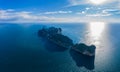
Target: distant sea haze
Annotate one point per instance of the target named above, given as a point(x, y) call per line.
point(21, 50)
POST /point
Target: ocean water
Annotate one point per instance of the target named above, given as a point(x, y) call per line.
point(22, 50)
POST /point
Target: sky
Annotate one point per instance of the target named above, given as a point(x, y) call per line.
point(27, 11)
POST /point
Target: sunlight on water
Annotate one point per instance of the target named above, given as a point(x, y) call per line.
point(95, 33)
point(96, 28)
point(98, 35)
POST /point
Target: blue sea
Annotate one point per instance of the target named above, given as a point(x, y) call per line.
point(22, 50)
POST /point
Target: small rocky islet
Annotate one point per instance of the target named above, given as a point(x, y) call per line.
point(55, 36)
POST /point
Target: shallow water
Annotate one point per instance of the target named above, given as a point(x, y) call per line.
point(21, 50)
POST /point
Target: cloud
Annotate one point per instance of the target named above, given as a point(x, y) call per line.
point(80, 2)
point(6, 14)
point(106, 4)
point(10, 15)
point(94, 12)
point(112, 11)
point(96, 15)
point(29, 17)
point(22, 16)
point(58, 12)
point(77, 2)
point(82, 12)
point(80, 19)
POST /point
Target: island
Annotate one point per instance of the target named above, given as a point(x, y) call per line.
point(55, 36)
point(84, 49)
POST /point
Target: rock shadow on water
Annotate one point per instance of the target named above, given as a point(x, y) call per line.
point(54, 47)
point(82, 60)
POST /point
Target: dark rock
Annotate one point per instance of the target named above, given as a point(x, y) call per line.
point(55, 36)
point(84, 49)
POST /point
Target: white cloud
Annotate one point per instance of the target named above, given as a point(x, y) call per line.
point(12, 15)
point(6, 14)
point(96, 15)
point(58, 12)
point(81, 19)
point(50, 13)
point(26, 16)
point(102, 12)
point(112, 11)
point(106, 4)
point(81, 13)
point(77, 2)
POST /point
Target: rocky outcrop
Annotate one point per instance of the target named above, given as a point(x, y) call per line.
point(84, 49)
point(55, 36)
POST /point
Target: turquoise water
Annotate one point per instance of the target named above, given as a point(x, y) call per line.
point(21, 50)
